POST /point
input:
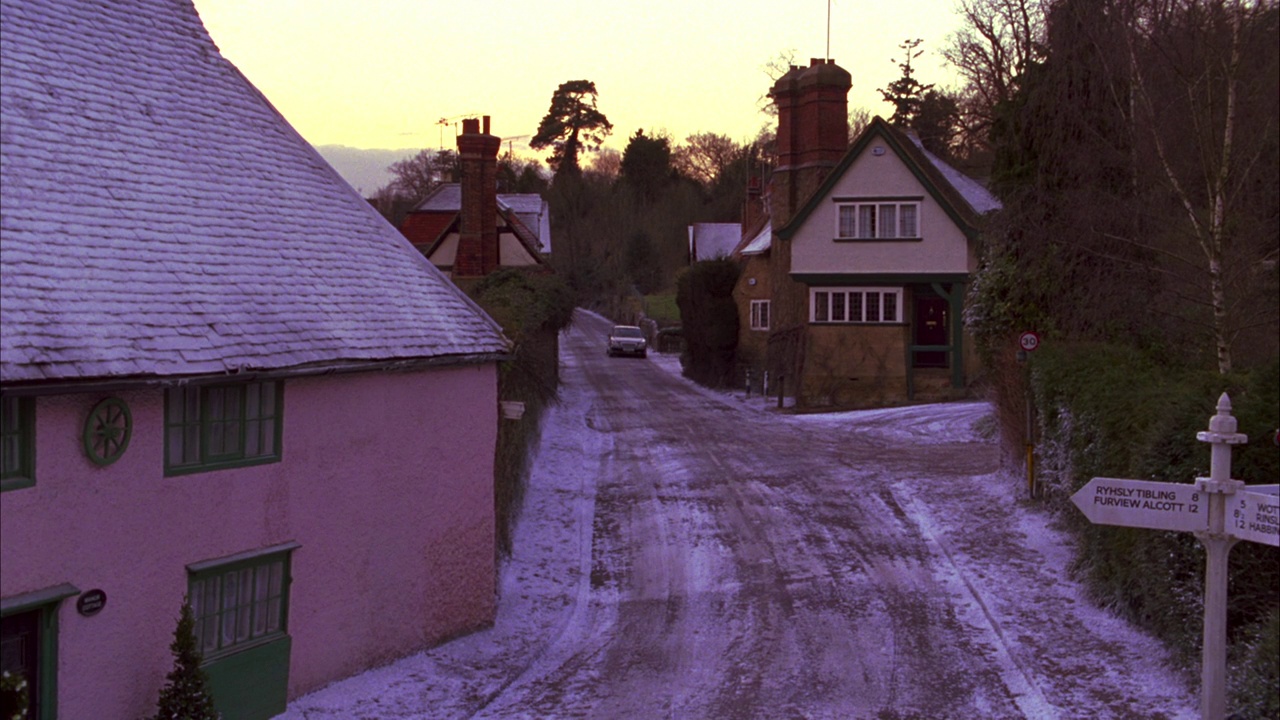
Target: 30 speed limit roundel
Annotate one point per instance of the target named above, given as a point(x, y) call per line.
point(1028, 341)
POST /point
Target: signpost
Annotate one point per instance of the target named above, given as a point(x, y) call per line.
point(1029, 340)
point(1202, 509)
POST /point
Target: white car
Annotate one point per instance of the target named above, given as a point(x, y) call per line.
point(627, 340)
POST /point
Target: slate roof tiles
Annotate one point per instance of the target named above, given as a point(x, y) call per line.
point(158, 216)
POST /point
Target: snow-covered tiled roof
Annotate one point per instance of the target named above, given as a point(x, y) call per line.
point(762, 241)
point(445, 197)
point(979, 198)
point(158, 217)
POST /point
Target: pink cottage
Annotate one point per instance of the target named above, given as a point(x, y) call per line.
point(223, 376)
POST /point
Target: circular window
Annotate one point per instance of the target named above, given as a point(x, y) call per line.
point(107, 431)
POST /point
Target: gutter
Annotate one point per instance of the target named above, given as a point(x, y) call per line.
point(33, 388)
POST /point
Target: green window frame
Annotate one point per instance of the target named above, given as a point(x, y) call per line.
point(208, 427)
point(17, 442)
point(240, 602)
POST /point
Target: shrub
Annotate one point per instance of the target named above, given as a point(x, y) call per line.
point(709, 318)
point(186, 695)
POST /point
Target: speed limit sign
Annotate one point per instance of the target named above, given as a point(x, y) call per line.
point(1029, 341)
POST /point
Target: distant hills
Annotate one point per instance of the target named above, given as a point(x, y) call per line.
point(364, 170)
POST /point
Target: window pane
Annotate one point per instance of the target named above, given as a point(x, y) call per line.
point(908, 227)
point(275, 593)
point(245, 605)
point(855, 307)
point(10, 454)
point(229, 595)
point(847, 216)
point(211, 609)
point(252, 443)
point(261, 616)
point(175, 398)
point(268, 399)
point(888, 220)
point(837, 307)
point(764, 315)
point(866, 221)
point(890, 307)
point(191, 444)
point(820, 304)
point(873, 307)
point(191, 404)
point(196, 598)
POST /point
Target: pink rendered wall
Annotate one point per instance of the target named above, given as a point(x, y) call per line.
point(386, 483)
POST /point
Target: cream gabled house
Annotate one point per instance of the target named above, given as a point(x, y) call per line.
point(853, 293)
point(222, 376)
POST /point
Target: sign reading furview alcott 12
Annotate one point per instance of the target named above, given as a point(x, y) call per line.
point(1143, 503)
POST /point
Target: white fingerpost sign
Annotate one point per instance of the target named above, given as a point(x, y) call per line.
point(1219, 510)
point(1255, 516)
point(1144, 504)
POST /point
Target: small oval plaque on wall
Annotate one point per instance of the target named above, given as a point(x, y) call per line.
point(91, 603)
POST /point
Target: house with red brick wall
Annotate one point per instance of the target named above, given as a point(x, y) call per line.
point(862, 263)
point(223, 377)
point(467, 229)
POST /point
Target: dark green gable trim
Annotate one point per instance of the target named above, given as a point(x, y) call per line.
point(891, 137)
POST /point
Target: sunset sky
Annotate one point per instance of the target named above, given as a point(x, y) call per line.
point(383, 73)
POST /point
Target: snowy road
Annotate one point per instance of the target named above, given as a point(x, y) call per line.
point(688, 554)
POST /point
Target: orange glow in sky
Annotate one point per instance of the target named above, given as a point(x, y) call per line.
point(382, 73)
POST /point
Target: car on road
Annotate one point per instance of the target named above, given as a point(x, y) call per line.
point(627, 340)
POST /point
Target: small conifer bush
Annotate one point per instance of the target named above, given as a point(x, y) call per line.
point(186, 694)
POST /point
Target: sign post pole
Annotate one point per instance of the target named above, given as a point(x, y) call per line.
point(1217, 544)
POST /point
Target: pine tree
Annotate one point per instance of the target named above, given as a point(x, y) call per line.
point(186, 695)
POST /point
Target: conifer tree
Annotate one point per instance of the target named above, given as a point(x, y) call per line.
point(186, 695)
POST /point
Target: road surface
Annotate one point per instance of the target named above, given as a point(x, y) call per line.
point(688, 554)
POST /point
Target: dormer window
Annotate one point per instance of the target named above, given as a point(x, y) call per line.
point(875, 219)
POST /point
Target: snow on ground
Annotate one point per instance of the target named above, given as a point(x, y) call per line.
point(1019, 602)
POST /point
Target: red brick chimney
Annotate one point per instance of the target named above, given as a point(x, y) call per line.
point(813, 132)
point(813, 135)
point(477, 253)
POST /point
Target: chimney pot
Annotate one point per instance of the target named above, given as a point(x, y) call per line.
point(486, 124)
point(470, 126)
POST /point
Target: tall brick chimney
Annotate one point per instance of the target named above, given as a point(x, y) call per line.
point(813, 132)
point(813, 135)
point(478, 225)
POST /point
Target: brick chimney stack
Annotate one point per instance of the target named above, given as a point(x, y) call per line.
point(813, 135)
point(477, 254)
point(813, 132)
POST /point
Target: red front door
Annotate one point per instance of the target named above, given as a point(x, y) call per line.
point(930, 328)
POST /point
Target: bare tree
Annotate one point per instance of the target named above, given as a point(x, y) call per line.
point(997, 41)
point(704, 156)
